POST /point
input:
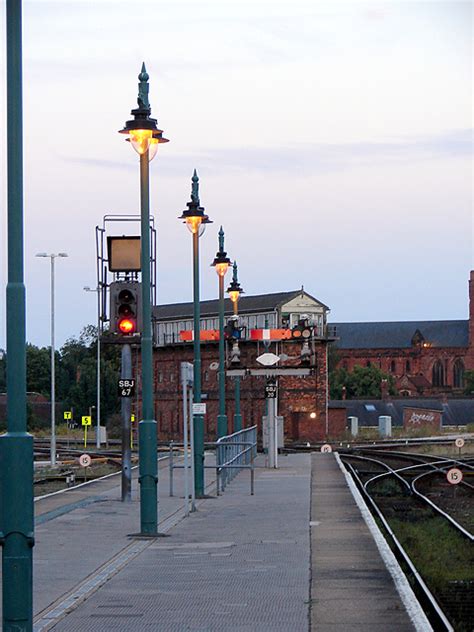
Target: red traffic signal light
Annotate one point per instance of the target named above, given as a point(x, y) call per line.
point(125, 307)
point(127, 326)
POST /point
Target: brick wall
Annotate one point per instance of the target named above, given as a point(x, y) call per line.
point(297, 398)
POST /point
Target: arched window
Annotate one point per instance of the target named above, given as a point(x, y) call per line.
point(368, 363)
point(438, 374)
point(458, 374)
point(392, 366)
point(407, 366)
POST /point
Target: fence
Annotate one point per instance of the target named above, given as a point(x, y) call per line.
point(234, 453)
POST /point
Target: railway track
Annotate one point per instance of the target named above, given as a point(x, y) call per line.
point(405, 491)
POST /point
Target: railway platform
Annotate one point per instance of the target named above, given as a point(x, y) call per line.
point(296, 556)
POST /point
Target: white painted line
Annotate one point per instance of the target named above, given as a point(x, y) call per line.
point(410, 602)
point(94, 480)
point(86, 588)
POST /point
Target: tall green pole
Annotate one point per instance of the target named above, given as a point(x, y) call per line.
point(196, 220)
point(147, 427)
point(235, 291)
point(237, 414)
point(221, 263)
point(198, 420)
point(221, 417)
point(16, 446)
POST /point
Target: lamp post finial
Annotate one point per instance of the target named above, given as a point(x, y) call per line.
point(143, 88)
point(221, 240)
point(195, 188)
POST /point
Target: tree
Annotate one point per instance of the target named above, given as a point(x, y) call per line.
point(38, 369)
point(469, 383)
point(79, 379)
point(361, 382)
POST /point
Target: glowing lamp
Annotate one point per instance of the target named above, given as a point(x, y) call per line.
point(222, 267)
point(195, 224)
point(234, 289)
point(140, 139)
point(234, 295)
point(126, 326)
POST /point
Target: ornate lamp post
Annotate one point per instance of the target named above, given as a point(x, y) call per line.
point(145, 137)
point(221, 263)
point(196, 220)
point(234, 290)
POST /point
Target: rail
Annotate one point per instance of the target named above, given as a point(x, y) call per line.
point(425, 596)
point(234, 453)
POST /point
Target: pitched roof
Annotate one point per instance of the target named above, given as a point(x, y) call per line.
point(247, 304)
point(396, 335)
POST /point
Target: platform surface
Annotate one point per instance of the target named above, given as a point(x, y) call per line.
point(351, 588)
point(294, 557)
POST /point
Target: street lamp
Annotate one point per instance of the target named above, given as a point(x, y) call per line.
point(196, 220)
point(145, 137)
point(53, 372)
point(234, 290)
point(221, 263)
point(97, 290)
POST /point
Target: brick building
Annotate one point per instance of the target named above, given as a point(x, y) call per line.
point(301, 400)
point(426, 358)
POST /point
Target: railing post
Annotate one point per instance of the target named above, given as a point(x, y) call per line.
point(252, 472)
point(171, 468)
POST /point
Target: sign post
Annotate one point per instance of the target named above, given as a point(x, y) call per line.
point(126, 390)
point(459, 443)
point(454, 477)
point(187, 379)
point(85, 460)
point(270, 394)
point(86, 421)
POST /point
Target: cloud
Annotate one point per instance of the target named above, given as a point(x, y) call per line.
point(308, 158)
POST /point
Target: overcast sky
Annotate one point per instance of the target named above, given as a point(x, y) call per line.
point(332, 139)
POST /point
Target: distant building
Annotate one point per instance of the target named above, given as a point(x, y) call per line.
point(424, 357)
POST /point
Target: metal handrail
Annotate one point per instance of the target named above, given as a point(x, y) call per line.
point(234, 453)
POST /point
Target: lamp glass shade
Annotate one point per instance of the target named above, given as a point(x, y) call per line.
point(140, 139)
point(152, 148)
point(194, 224)
point(234, 295)
point(221, 268)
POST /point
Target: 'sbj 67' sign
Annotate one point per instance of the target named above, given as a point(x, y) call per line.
point(126, 388)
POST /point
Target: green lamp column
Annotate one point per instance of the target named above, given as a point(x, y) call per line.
point(16, 446)
point(234, 290)
point(145, 137)
point(196, 221)
point(221, 263)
